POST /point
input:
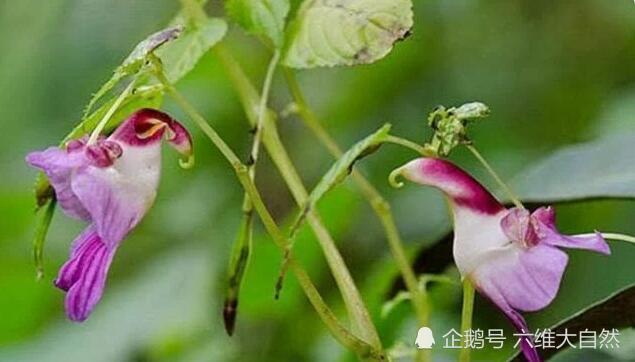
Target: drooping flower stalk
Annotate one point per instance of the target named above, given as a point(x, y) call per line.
point(511, 256)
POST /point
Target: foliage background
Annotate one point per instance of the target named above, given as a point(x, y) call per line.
point(553, 73)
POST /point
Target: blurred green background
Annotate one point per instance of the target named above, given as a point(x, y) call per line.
point(553, 72)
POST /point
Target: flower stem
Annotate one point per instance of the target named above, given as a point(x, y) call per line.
point(361, 321)
point(380, 206)
point(512, 196)
point(342, 334)
point(243, 243)
point(408, 144)
point(262, 107)
point(466, 317)
point(100, 126)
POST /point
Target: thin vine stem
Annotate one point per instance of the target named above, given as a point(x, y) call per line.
point(466, 318)
point(512, 196)
point(361, 321)
point(102, 123)
point(342, 334)
point(380, 206)
point(262, 107)
point(408, 144)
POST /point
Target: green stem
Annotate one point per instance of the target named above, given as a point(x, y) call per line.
point(361, 321)
point(100, 126)
point(408, 144)
point(194, 10)
point(339, 332)
point(466, 317)
point(380, 206)
point(512, 196)
point(262, 107)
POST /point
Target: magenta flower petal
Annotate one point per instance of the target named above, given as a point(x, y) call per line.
point(544, 219)
point(116, 205)
point(511, 256)
point(83, 276)
point(71, 270)
point(528, 280)
point(112, 184)
point(58, 166)
point(516, 319)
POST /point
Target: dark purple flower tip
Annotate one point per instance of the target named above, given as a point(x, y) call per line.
point(83, 276)
point(462, 189)
point(148, 126)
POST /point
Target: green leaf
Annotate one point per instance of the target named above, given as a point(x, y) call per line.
point(340, 169)
point(615, 311)
point(261, 17)
point(345, 32)
point(41, 229)
point(134, 62)
point(180, 57)
point(598, 169)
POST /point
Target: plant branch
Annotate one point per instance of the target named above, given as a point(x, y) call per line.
point(380, 206)
point(337, 330)
point(361, 320)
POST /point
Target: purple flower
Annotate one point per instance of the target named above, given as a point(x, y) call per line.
point(512, 256)
point(111, 184)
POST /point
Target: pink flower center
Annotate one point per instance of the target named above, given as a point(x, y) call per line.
point(521, 227)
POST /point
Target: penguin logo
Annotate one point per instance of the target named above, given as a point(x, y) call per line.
point(425, 339)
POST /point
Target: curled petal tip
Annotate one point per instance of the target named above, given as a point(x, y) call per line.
point(392, 178)
point(187, 163)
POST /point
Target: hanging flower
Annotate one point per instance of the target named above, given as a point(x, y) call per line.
point(111, 184)
point(512, 257)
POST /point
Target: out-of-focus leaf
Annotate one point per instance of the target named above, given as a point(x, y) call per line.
point(169, 298)
point(599, 169)
point(261, 17)
point(342, 168)
point(180, 57)
point(345, 32)
point(134, 62)
point(615, 311)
